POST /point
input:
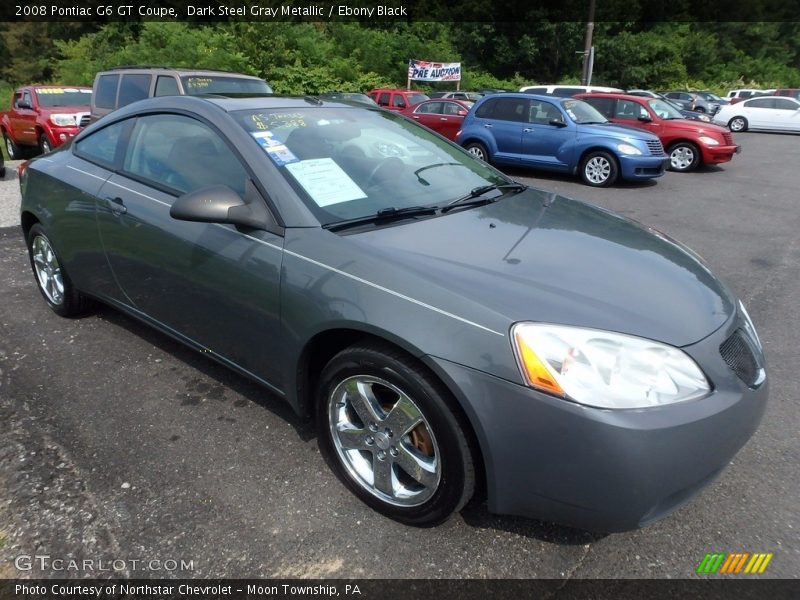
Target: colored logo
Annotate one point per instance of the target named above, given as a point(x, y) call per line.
point(735, 563)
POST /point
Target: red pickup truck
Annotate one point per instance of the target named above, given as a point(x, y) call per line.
point(43, 117)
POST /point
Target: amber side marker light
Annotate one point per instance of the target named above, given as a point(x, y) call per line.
point(537, 374)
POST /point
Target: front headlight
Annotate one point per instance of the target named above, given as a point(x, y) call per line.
point(708, 141)
point(605, 369)
point(63, 120)
point(628, 149)
point(704, 118)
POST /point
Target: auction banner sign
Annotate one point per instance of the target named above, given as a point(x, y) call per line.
point(423, 70)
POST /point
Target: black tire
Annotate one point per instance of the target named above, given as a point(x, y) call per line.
point(64, 300)
point(599, 169)
point(700, 109)
point(14, 151)
point(44, 144)
point(478, 150)
point(446, 444)
point(683, 157)
point(738, 124)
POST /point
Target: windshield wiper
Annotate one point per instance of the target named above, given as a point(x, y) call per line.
point(474, 197)
point(390, 213)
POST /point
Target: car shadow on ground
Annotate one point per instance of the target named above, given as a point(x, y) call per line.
point(475, 514)
point(515, 172)
point(222, 375)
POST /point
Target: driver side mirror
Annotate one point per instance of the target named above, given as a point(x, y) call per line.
point(220, 204)
point(24, 104)
point(557, 123)
point(645, 118)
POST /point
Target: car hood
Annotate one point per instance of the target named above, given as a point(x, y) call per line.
point(698, 127)
point(541, 257)
point(55, 110)
point(615, 131)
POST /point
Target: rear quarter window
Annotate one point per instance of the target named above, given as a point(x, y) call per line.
point(104, 146)
point(106, 94)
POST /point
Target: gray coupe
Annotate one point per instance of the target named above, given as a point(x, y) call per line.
point(453, 332)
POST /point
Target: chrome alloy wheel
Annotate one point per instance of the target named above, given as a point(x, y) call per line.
point(681, 158)
point(10, 148)
point(48, 271)
point(477, 152)
point(737, 124)
point(597, 169)
point(384, 441)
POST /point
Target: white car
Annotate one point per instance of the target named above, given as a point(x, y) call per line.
point(774, 113)
point(567, 91)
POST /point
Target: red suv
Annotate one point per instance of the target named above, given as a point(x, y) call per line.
point(688, 143)
point(397, 98)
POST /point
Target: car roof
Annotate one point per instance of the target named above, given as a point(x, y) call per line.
point(136, 69)
point(614, 95)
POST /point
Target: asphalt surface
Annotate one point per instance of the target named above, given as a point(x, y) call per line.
point(118, 443)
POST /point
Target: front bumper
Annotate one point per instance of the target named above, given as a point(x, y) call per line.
point(714, 155)
point(605, 470)
point(61, 135)
point(642, 167)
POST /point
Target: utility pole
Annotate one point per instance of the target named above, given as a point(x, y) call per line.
point(587, 45)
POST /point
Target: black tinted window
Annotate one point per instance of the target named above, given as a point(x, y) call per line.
point(627, 109)
point(103, 146)
point(106, 94)
point(604, 105)
point(133, 88)
point(183, 154)
point(567, 92)
point(166, 86)
point(783, 104)
point(760, 103)
point(508, 109)
point(538, 90)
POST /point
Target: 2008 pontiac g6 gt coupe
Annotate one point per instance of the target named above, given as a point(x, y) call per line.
point(449, 329)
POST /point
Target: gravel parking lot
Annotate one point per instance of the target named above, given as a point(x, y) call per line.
point(121, 443)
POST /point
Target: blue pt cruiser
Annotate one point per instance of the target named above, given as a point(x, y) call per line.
point(559, 134)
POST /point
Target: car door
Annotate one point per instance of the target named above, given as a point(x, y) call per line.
point(451, 118)
point(634, 114)
point(543, 143)
point(786, 114)
point(509, 116)
point(24, 121)
point(759, 112)
point(213, 285)
point(428, 114)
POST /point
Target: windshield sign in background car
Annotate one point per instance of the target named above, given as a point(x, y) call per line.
point(563, 135)
point(448, 328)
point(43, 117)
point(688, 143)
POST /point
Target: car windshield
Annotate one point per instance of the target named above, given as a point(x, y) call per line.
point(222, 84)
point(581, 112)
point(49, 97)
point(665, 110)
point(349, 96)
point(352, 162)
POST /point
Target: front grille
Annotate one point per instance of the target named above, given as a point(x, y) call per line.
point(655, 147)
point(85, 119)
point(738, 355)
point(728, 139)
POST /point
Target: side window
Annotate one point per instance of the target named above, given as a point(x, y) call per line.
point(26, 97)
point(398, 101)
point(486, 110)
point(603, 105)
point(133, 88)
point(537, 90)
point(627, 109)
point(383, 99)
point(567, 92)
point(784, 104)
point(166, 86)
point(17, 98)
point(512, 109)
point(183, 154)
point(105, 96)
point(103, 146)
point(760, 103)
point(542, 112)
point(450, 108)
point(745, 94)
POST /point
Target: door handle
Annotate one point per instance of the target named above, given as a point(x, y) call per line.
point(416, 117)
point(116, 205)
point(527, 130)
point(488, 125)
point(443, 118)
